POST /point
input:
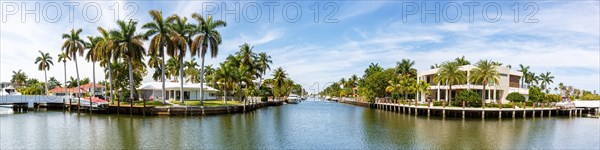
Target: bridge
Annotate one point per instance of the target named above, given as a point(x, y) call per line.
point(21, 103)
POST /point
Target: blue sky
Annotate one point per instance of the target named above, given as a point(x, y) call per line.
point(555, 36)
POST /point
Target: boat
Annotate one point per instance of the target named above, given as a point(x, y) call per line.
point(328, 98)
point(97, 103)
point(293, 99)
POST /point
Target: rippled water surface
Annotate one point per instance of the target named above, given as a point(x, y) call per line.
point(308, 125)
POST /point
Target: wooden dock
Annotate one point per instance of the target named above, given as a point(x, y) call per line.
point(459, 112)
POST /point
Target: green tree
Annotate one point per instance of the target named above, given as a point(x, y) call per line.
point(73, 45)
point(545, 80)
point(462, 61)
point(161, 33)
point(535, 94)
point(264, 62)
point(450, 74)
point(471, 98)
point(525, 71)
point(485, 73)
point(63, 57)
point(44, 62)
point(178, 46)
point(18, 78)
point(515, 97)
point(208, 37)
point(130, 47)
point(105, 49)
point(92, 55)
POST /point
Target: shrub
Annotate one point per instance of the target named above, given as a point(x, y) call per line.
point(590, 96)
point(515, 97)
point(472, 99)
point(553, 98)
point(536, 95)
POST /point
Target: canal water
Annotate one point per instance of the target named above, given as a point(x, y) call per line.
point(308, 125)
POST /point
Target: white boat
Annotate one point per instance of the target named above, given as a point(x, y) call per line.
point(97, 103)
point(293, 99)
point(328, 98)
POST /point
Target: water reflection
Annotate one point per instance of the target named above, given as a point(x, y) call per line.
point(309, 125)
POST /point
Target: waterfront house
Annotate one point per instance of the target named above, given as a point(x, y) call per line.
point(86, 88)
point(509, 81)
point(191, 91)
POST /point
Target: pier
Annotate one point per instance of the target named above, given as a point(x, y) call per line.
point(461, 112)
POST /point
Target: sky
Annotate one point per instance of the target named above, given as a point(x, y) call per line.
point(317, 42)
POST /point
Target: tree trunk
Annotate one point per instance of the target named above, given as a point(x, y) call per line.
point(162, 71)
point(78, 85)
point(93, 91)
point(483, 97)
point(131, 88)
point(224, 94)
point(181, 78)
point(110, 81)
point(449, 94)
point(65, 87)
point(202, 82)
point(46, 80)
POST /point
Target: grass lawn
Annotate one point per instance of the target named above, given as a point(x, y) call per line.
point(207, 103)
point(140, 103)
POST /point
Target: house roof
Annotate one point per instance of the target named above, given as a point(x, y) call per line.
point(173, 85)
point(59, 89)
point(87, 86)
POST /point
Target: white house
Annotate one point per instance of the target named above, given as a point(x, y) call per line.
point(508, 83)
point(153, 90)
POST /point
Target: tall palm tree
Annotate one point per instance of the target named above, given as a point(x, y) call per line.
point(485, 72)
point(525, 71)
point(160, 30)
point(264, 62)
point(405, 67)
point(74, 45)
point(208, 37)
point(546, 79)
point(44, 62)
point(450, 74)
point(130, 46)
point(63, 57)
point(92, 55)
point(105, 55)
point(224, 75)
point(178, 46)
point(18, 78)
point(279, 81)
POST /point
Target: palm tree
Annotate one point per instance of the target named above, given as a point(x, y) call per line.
point(423, 88)
point(404, 67)
point(525, 71)
point(178, 45)
point(105, 55)
point(44, 62)
point(190, 70)
point(92, 55)
point(450, 74)
point(130, 46)
point(209, 73)
point(264, 62)
point(73, 45)
point(224, 75)
point(279, 81)
point(546, 79)
point(72, 82)
point(18, 78)
point(485, 72)
point(63, 57)
point(462, 61)
point(160, 30)
point(208, 37)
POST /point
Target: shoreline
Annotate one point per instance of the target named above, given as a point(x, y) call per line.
point(155, 110)
point(459, 112)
